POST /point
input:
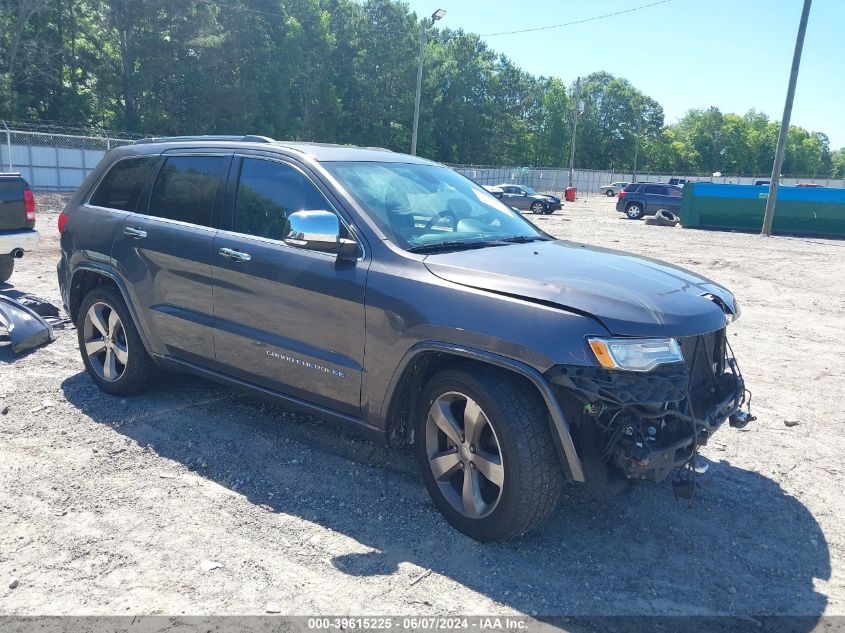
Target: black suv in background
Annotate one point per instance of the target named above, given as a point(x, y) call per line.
point(643, 198)
point(390, 293)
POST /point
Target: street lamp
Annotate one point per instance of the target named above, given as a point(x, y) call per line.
point(437, 15)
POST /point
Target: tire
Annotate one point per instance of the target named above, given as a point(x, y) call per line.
point(609, 193)
point(514, 434)
point(124, 377)
point(663, 218)
point(634, 211)
point(538, 208)
point(7, 266)
point(549, 210)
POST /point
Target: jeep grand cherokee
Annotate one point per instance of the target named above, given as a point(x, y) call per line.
point(391, 293)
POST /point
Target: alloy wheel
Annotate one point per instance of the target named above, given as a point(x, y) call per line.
point(537, 208)
point(464, 455)
point(105, 342)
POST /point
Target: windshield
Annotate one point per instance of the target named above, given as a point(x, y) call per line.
point(422, 207)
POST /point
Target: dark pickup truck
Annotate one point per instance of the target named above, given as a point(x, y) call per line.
point(17, 222)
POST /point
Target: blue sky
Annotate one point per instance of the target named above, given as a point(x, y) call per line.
point(734, 54)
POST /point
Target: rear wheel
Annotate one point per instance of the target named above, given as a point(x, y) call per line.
point(111, 348)
point(485, 451)
point(609, 193)
point(7, 265)
point(538, 208)
point(634, 211)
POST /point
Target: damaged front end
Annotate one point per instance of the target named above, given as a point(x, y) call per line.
point(646, 423)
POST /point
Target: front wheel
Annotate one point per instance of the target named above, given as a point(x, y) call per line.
point(609, 193)
point(486, 453)
point(538, 208)
point(634, 211)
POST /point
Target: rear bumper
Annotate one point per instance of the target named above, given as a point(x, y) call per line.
point(11, 240)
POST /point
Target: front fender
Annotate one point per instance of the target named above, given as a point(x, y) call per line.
point(558, 425)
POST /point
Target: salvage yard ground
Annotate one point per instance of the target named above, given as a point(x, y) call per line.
point(199, 499)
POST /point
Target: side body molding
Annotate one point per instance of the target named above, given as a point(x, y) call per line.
point(559, 426)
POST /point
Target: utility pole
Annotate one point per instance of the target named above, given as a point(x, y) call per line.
point(575, 107)
point(768, 217)
point(423, 31)
point(637, 146)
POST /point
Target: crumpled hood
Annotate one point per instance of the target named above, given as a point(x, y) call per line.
point(629, 295)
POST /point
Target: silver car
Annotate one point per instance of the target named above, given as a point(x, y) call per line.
point(613, 188)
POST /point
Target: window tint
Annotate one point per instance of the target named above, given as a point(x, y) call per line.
point(123, 183)
point(268, 191)
point(632, 187)
point(185, 187)
point(672, 191)
point(655, 189)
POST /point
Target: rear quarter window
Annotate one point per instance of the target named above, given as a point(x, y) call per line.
point(122, 185)
point(631, 187)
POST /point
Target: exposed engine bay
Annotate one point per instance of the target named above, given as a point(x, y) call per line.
point(647, 424)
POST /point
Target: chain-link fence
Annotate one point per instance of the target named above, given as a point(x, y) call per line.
point(54, 158)
point(589, 182)
point(58, 158)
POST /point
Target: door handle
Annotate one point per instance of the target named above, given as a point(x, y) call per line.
point(137, 234)
point(235, 256)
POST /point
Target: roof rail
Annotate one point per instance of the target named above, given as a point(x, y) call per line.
point(249, 138)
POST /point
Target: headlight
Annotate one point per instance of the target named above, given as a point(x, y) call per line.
point(636, 354)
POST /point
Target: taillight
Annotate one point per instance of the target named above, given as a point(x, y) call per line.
point(622, 193)
point(62, 221)
point(29, 204)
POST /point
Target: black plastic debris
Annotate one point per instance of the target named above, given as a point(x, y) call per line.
point(26, 328)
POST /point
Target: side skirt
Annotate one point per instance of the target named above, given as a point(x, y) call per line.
point(354, 423)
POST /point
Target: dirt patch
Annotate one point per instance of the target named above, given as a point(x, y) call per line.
point(114, 506)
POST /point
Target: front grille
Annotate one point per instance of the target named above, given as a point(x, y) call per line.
point(711, 348)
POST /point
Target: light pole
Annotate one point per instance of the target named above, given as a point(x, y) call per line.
point(423, 30)
point(769, 214)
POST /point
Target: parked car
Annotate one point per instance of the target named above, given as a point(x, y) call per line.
point(17, 222)
point(809, 184)
point(641, 198)
point(613, 188)
point(392, 294)
point(678, 182)
point(496, 191)
point(526, 199)
point(760, 183)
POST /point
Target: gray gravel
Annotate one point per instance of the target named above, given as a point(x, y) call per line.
point(199, 499)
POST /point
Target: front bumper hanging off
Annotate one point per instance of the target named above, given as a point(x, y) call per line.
point(649, 423)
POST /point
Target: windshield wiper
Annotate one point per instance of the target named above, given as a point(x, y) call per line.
point(523, 239)
point(452, 245)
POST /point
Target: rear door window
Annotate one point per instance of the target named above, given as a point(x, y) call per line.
point(122, 185)
point(631, 187)
point(186, 187)
point(654, 189)
point(269, 191)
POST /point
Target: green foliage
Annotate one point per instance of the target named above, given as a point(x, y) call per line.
point(345, 71)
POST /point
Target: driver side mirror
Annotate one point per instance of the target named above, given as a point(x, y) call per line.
point(318, 231)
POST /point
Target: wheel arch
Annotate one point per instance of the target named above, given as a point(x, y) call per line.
point(426, 358)
point(89, 276)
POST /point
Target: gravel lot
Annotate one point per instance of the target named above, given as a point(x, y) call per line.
point(198, 499)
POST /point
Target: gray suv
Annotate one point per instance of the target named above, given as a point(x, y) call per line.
point(390, 293)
